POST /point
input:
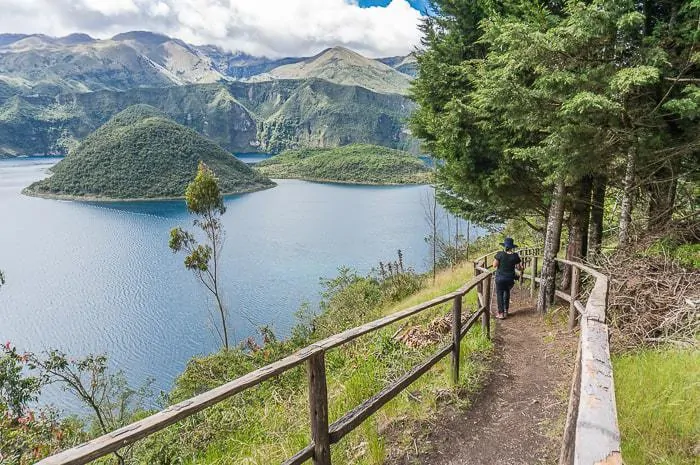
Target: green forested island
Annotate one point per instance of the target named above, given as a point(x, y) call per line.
point(141, 154)
point(356, 164)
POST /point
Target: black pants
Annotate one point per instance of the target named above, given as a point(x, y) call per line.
point(503, 287)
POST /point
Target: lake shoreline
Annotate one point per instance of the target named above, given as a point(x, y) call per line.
point(352, 183)
point(85, 198)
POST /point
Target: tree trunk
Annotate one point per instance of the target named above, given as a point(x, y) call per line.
point(627, 196)
point(662, 196)
point(595, 232)
point(579, 219)
point(222, 313)
point(551, 248)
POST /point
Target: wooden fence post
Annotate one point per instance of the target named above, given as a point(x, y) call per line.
point(318, 409)
point(575, 280)
point(456, 330)
point(533, 283)
point(486, 316)
point(479, 292)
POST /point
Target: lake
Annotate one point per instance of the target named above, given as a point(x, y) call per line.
point(87, 277)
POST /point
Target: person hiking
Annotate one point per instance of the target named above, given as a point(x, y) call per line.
point(506, 262)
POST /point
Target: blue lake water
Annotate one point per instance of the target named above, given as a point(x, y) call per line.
point(86, 277)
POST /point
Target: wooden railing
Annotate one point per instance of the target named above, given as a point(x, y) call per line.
point(323, 435)
point(591, 433)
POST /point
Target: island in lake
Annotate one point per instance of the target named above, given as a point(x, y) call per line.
point(141, 154)
point(356, 164)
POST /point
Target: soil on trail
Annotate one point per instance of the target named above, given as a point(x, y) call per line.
point(518, 417)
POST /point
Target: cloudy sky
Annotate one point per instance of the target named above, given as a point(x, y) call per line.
point(261, 27)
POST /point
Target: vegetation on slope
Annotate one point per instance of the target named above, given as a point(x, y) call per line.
point(141, 154)
point(270, 423)
point(357, 163)
point(240, 117)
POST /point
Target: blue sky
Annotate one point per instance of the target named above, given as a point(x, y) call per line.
point(420, 5)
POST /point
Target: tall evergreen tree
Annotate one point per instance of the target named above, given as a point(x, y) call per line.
point(536, 107)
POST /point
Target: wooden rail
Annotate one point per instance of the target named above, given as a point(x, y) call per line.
point(323, 435)
point(591, 435)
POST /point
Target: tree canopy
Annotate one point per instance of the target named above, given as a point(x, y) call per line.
point(539, 107)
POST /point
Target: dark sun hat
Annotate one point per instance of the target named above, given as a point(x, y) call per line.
point(508, 243)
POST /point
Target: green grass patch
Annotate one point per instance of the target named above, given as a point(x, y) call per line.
point(357, 163)
point(658, 401)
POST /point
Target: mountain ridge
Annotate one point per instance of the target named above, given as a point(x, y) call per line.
point(56, 91)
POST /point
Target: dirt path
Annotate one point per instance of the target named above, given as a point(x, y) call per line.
point(518, 417)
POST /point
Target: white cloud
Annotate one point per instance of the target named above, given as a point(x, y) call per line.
point(262, 27)
point(110, 7)
point(159, 9)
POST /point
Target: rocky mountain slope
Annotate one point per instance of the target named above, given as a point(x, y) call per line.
point(241, 117)
point(343, 66)
point(39, 64)
point(141, 154)
point(56, 91)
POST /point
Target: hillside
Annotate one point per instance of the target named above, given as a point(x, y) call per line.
point(404, 64)
point(56, 91)
point(342, 66)
point(240, 117)
point(356, 164)
point(141, 154)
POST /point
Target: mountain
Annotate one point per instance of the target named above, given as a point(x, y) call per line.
point(239, 65)
point(342, 66)
point(241, 117)
point(357, 164)
point(56, 91)
point(407, 64)
point(141, 154)
point(39, 64)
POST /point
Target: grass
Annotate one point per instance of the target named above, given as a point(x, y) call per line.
point(357, 163)
point(658, 401)
point(269, 424)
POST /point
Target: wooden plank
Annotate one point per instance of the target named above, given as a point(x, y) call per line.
point(597, 301)
point(300, 457)
point(575, 281)
point(129, 434)
point(562, 295)
point(355, 417)
point(470, 322)
point(349, 335)
point(593, 272)
point(597, 431)
point(486, 315)
point(456, 331)
point(566, 455)
point(580, 307)
point(318, 409)
point(533, 276)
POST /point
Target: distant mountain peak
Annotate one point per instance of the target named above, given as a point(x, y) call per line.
point(76, 38)
point(147, 37)
point(343, 66)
